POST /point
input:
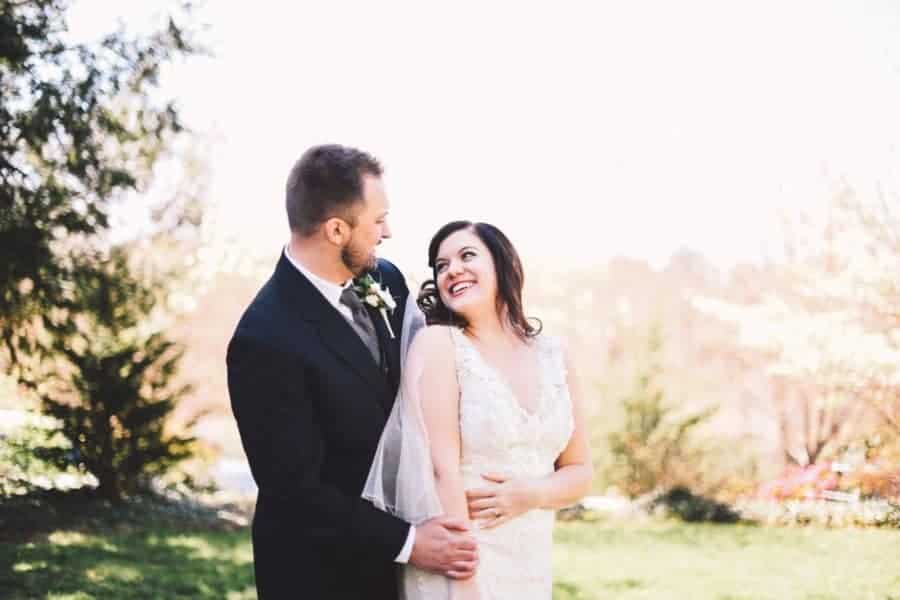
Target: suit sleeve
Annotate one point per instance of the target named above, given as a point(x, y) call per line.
point(284, 446)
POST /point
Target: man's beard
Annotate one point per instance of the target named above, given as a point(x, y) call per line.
point(357, 262)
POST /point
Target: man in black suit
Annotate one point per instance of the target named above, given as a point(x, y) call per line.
point(312, 373)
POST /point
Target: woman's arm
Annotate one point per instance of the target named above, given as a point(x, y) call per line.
point(504, 498)
point(438, 391)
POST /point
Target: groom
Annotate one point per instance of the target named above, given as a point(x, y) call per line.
point(312, 374)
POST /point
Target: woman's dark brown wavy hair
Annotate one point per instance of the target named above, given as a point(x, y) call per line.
point(510, 279)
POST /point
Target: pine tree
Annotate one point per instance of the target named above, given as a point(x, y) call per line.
point(114, 391)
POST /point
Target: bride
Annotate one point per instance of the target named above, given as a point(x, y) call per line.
point(487, 426)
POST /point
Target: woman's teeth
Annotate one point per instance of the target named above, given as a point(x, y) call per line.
point(458, 288)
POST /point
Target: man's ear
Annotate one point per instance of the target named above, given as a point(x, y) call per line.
point(336, 231)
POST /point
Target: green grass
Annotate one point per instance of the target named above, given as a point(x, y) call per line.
point(89, 550)
point(130, 565)
point(670, 560)
point(78, 548)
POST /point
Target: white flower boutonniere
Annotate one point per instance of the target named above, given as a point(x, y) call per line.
point(371, 292)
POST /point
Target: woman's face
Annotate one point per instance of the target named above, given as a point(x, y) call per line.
point(466, 277)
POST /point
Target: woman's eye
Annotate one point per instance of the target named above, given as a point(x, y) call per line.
point(440, 268)
point(467, 254)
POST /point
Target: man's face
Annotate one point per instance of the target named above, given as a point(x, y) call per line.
point(358, 255)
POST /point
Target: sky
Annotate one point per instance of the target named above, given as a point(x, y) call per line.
point(583, 129)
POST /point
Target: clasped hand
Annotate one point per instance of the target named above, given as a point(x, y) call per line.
point(501, 499)
point(443, 545)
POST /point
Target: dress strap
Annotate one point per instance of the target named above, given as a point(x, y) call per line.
point(552, 359)
point(468, 360)
point(461, 351)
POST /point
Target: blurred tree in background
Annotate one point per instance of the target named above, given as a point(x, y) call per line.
point(654, 450)
point(114, 390)
point(830, 327)
point(79, 128)
point(34, 455)
point(81, 317)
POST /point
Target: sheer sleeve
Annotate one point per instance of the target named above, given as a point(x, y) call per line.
point(401, 480)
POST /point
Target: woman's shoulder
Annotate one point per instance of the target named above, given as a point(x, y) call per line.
point(434, 339)
point(433, 351)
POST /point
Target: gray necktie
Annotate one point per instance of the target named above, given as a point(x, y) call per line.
point(362, 322)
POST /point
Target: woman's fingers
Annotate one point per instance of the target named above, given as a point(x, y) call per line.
point(487, 513)
point(477, 493)
point(481, 504)
point(495, 477)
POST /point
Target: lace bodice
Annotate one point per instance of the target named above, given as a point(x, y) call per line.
point(499, 436)
point(497, 433)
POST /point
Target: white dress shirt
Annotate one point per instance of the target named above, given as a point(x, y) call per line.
point(332, 292)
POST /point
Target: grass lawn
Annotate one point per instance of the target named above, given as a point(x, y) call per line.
point(159, 564)
point(82, 551)
point(671, 560)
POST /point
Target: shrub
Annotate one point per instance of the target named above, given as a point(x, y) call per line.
point(687, 506)
point(654, 449)
point(797, 483)
point(114, 391)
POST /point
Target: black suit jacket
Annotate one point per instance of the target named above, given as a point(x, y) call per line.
point(310, 405)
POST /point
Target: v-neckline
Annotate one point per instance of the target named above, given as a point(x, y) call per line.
point(496, 374)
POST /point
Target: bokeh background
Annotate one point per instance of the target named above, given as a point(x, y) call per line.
point(704, 194)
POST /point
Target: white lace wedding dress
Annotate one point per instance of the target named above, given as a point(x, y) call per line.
point(500, 436)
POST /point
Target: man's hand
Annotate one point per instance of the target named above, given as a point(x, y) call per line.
point(444, 546)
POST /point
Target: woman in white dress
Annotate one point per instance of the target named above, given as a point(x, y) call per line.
point(488, 427)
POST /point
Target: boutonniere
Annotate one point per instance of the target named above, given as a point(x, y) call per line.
point(379, 298)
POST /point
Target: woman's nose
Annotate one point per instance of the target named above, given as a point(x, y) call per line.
point(454, 268)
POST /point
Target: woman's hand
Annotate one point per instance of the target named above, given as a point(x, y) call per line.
point(502, 499)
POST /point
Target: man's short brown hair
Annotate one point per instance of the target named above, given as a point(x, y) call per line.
point(327, 182)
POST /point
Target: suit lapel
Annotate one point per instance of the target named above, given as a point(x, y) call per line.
point(336, 333)
point(340, 338)
point(390, 348)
